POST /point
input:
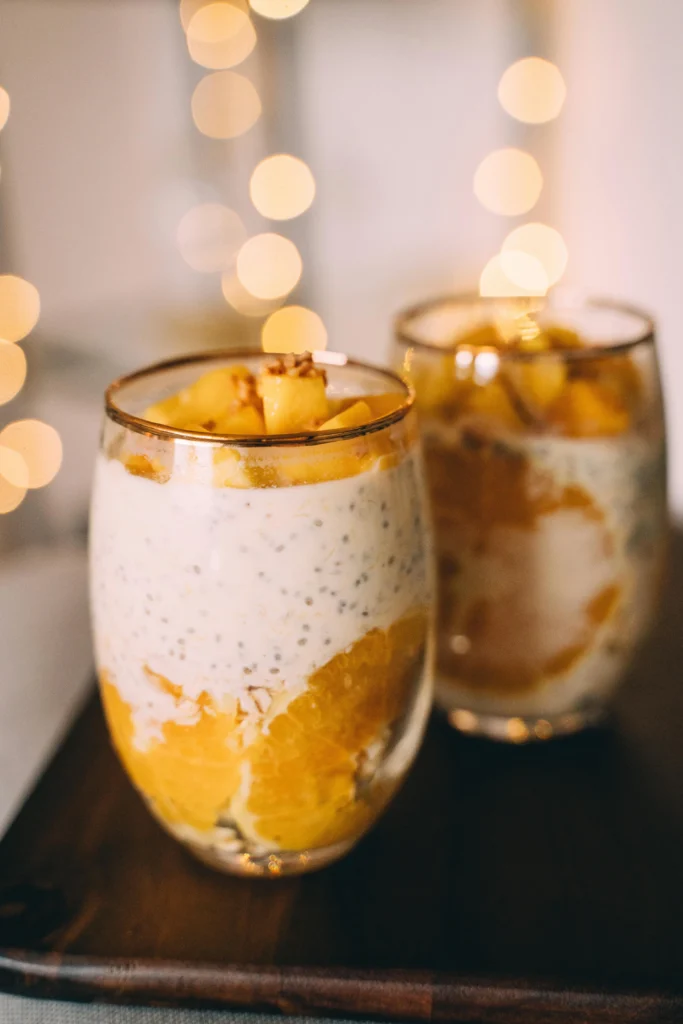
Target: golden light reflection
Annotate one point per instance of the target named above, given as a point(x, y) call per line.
point(236, 295)
point(465, 721)
point(11, 497)
point(543, 243)
point(282, 187)
point(12, 370)
point(188, 8)
point(13, 467)
point(508, 181)
point(278, 9)
point(19, 307)
point(4, 107)
point(512, 274)
point(39, 445)
point(532, 90)
point(517, 730)
point(220, 35)
point(210, 236)
point(269, 266)
point(294, 329)
point(225, 104)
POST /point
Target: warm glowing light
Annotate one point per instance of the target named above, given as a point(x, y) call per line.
point(486, 365)
point(4, 107)
point(13, 467)
point(294, 329)
point(12, 371)
point(210, 236)
point(220, 35)
point(269, 266)
point(512, 274)
point(532, 90)
point(225, 105)
point(40, 447)
point(278, 9)
point(10, 496)
point(282, 187)
point(188, 8)
point(542, 242)
point(243, 301)
point(508, 182)
point(19, 307)
point(517, 730)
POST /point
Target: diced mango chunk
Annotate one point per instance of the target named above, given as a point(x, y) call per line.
point(143, 465)
point(291, 404)
point(355, 416)
point(585, 409)
point(382, 405)
point(538, 383)
point(242, 420)
point(492, 400)
point(210, 398)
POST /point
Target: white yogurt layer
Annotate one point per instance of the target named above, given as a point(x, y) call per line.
point(244, 593)
point(541, 579)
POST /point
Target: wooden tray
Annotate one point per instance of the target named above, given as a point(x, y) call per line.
point(504, 885)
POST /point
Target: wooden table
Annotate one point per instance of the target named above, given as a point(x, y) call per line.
point(506, 884)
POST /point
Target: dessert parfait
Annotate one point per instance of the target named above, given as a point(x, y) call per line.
point(261, 594)
point(544, 445)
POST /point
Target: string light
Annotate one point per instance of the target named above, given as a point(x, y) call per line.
point(19, 307)
point(210, 236)
point(532, 90)
point(269, 266)
point(225, 105)
point(11, 497)
point(188, 8)
point(12, 371)
point(4, 107)
point(282, 187)
point(220, 35)
point(40, 447)
point(243, 301)
point(294, 329)
point(508, 182)
point(542, 242)
point(278, 9)
point(513, 274)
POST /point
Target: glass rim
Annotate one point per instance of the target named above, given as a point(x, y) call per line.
point(403, 333)
point(140, 425)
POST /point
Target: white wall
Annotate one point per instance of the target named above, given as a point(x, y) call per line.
point(619, 168)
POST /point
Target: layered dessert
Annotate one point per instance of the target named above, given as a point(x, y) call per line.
point(261, 609)
point(545, 460)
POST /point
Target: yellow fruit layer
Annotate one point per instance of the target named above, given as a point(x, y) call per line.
point(600, 396)
point(301, 771)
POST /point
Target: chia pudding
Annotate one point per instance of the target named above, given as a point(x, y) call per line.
point(262, 638)
point(546, 465)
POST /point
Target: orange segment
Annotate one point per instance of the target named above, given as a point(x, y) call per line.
point(304, 770)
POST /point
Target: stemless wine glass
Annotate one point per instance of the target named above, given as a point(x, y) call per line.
point(545, 453)
point(261, 611)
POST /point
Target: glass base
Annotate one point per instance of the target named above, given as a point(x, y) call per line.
point(269, 865)
point(513, 729)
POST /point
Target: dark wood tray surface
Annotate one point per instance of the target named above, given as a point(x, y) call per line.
point(506, 884)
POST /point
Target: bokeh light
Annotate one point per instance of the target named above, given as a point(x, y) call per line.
point(278, 9)
point(237, 296)
point(4, 107)
point(513, 274)
point(532, 90)
point(12, 371)
point(269, 266)
point(19, 307)
point(220, 35)
point(282, 187)
point(11, 497)
point(508, 182)
point(544, 243)
point(294, 329)
point(40, 446)
point(225, 105)
point(210, 236)
point(13, 467)
point(188, 8)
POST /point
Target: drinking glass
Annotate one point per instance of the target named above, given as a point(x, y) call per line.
point(261, 609)
point(545, 452)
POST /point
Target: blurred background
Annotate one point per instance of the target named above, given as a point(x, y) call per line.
point(141, 215)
